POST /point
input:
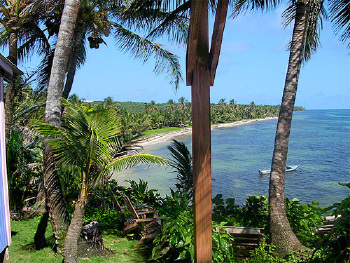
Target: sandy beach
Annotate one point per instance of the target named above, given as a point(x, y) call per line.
point(162, 137)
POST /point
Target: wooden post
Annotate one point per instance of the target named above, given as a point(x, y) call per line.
point(201, 151)
point(199, 78)
point(200, 73)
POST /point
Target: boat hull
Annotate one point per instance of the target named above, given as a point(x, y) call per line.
point(288, 169)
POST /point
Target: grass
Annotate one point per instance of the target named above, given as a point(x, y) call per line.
point(162, 130)
point(22, 249)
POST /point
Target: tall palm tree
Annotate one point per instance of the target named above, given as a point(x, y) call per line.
point(306, 15)
point(19, 20)
point(340, 16)
point(307, 22)
point(88, 141)
point(99, 19)
point(54, 197)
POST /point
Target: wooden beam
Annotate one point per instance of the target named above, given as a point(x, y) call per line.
point(197, 12)
point(201, 152)
point(198, 75)
point(218, 32)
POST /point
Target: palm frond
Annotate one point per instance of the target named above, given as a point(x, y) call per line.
point(340, 16)
point(44, 70)
point(315, 24)
point(34, 40)
point(4, 36)
point(175, 24)
point(242, 6)
point(182, 163)
point(143, 49)
point(123, 163)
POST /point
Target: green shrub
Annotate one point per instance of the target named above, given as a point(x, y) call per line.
point(223, 249)
point(175, 242)
point(255, 212)
point(303, 219)
point(174, 204)
point(265, 254)
point(338, 241)
point(101, 208)
point(140, 194)
point(226, 210)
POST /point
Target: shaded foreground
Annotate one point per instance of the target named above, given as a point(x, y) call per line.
point(22, 249)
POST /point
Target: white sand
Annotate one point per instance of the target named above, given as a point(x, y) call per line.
point(162, 137)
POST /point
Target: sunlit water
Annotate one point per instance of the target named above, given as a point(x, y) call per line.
point(319, 143)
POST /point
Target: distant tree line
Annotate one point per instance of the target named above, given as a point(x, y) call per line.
point(138, 117)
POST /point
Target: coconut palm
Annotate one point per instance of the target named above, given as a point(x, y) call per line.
point(19, 20)
point(88, 141)
point(340, 16)
point(306, 15)
point(54, 196)
point(99, 19)
point(307, 22)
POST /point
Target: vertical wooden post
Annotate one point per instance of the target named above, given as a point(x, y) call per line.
point(201, 151)
point(201, 141)
point(200, 73)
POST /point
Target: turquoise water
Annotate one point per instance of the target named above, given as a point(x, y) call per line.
point(319, 143)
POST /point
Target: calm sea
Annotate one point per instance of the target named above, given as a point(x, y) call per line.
point(319, 143)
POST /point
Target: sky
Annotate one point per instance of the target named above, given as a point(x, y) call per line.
point(252, 67)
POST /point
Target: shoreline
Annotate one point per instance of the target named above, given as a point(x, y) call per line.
point(163, 137)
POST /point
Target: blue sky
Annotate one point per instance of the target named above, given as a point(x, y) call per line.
point(252, 67)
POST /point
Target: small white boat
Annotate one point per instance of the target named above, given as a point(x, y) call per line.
point(288, 169)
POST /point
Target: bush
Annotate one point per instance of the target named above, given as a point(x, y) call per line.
point(266, 253)
point(101, 208)
point(175, 243)
point(303, 219)
point(254, 213)
point(140, 194)
point(338, 241)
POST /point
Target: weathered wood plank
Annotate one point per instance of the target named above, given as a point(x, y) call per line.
point(201, 151)
point(199, 13)
point(216, 40)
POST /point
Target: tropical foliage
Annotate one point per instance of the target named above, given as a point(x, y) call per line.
point(88, 142)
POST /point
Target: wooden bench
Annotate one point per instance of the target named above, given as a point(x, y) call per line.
point(327, 225)
point(246, 239)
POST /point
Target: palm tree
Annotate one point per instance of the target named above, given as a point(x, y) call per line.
point(306, 15)
point(307, 20)
point(141, 47)
point(54, 197)
point(98, 19)
point(88, 141)
point(19, 19)
point(340, 15)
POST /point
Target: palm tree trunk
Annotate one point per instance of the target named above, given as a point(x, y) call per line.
point(11, 88)
point(55, 201)
point(73, 64)
point(74, 230)
point(282, 235)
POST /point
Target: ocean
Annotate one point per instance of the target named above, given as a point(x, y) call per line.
point(319, 143)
